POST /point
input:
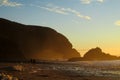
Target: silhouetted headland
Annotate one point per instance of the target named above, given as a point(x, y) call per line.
point(19, 41)
point(95, 54)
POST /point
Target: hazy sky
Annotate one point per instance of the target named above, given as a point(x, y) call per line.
point(86, 23)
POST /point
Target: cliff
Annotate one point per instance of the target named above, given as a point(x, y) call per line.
point(33, 42)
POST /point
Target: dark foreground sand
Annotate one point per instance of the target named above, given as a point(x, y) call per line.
point(35, 72)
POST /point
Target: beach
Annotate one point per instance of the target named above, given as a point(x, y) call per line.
point(53, 71)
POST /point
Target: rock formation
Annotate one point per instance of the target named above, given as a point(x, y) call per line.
point(36, 42)
point(95, 54)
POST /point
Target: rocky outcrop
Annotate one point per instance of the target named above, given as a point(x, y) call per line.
point(95, 54)
point(37, 42)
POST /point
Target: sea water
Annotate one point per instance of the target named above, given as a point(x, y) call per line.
point(89, 68)
point(99, 68)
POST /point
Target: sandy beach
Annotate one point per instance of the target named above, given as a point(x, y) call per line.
point(43, 72)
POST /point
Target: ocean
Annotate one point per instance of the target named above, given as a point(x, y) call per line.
point(88, 68)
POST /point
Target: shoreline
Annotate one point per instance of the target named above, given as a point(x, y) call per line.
point(46, 72)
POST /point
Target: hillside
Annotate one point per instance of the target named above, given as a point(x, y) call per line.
point(95, 54)
point(19, 41)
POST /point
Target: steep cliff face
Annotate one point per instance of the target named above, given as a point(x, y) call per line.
point(34, 42)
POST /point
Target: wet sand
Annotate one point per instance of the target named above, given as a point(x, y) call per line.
point(39, 72)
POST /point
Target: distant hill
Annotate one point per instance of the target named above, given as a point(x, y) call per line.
point(95, 54)
point(18, 41)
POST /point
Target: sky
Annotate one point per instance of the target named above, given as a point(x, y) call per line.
point(86, 23)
